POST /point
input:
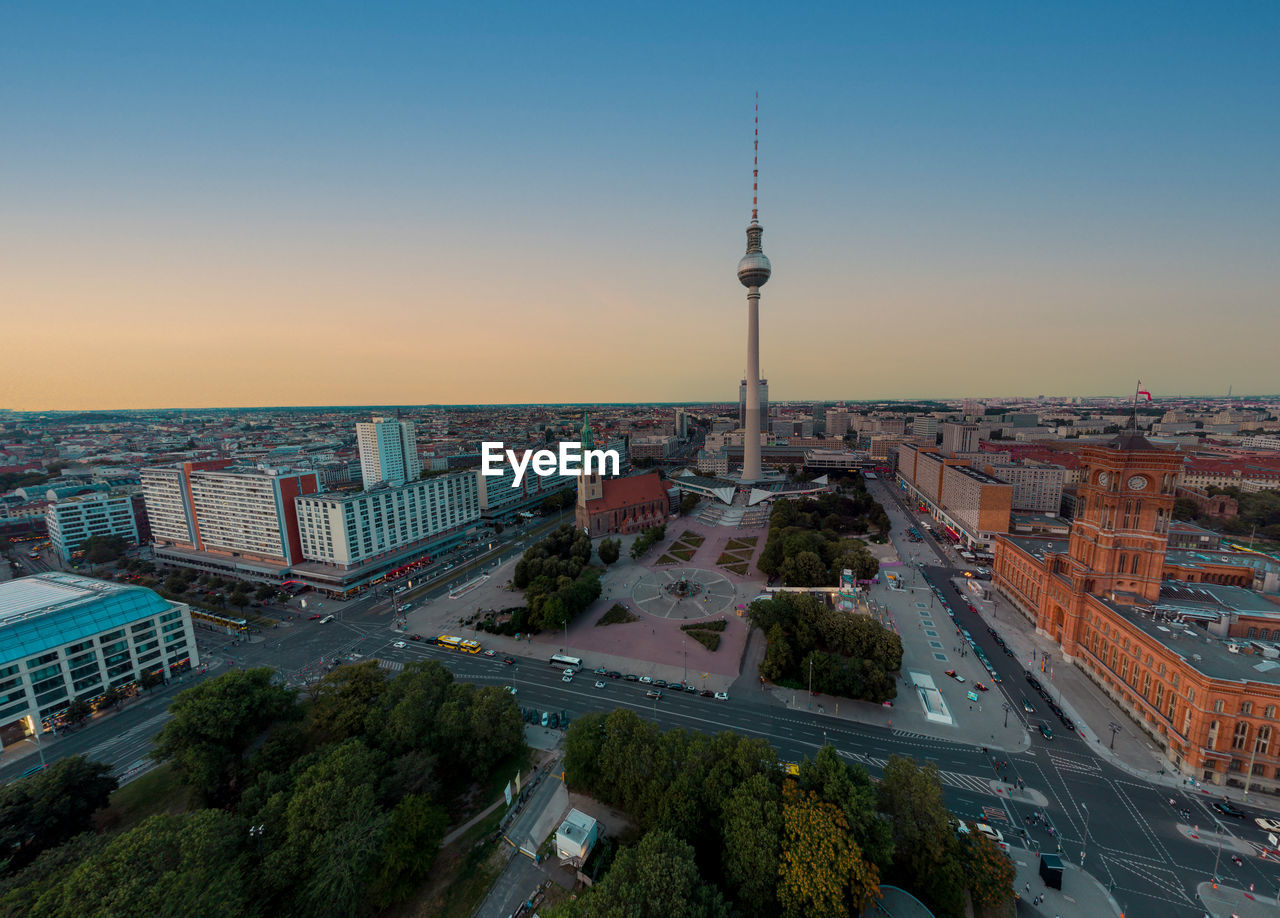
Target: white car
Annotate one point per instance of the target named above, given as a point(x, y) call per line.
point(490, 653)
point(399, 645)
point(509, 689)
point(646, 679)
point(567, 677)
point(722, 696)
point(599, 685)
point(1271, 825)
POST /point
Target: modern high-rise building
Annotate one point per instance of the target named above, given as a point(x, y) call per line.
point(742, 401)
point(925, 427)
point(959, 438)
point(388, 452)
point(72, 521)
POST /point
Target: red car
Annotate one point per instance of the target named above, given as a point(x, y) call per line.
point(979, 686)
point(312, 618)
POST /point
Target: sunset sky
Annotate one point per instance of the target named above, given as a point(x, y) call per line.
point(258, 203)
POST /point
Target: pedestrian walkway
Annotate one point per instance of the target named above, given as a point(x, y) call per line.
point(1231, 902)
point(1081, 893)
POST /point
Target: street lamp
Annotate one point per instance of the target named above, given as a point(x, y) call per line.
point(1006, 707)
point(256, 832)
point(684, 646)
point(811, 683)
point(1115, 728)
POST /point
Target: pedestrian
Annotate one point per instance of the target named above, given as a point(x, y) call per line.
point(1028, 887)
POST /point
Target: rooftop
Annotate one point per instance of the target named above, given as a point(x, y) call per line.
point(1201, 651)
point(47, 610)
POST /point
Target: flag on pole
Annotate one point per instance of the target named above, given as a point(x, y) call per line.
point(1146, 393)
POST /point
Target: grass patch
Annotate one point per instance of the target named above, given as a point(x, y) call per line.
point(690, 537)
point(682, 552)
point(158, 791)
point(666, 559)
point(521, 762)
point(708, 639)
point(726, 558)
point(718, 625)
point(741, 543)
point(462, 873)
point(618, 614)
point(739, 569)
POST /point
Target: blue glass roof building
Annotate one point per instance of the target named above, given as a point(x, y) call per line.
point(63, 636)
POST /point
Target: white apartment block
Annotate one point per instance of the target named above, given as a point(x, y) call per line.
point(388, 452)
point(1035, 487)
point(348, 529)
point(70, 522)
point(168, 506)
point(246, 512)
point(1260, 442)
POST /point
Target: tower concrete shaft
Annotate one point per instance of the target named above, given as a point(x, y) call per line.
point(751, 440)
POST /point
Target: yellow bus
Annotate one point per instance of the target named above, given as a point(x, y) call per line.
point(457, 643)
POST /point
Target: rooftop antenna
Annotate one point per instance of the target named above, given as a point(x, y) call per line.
point(755, 165)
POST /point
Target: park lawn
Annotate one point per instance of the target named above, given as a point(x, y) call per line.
point(666, 559)
point(741, 543)
point(708, 639)
point(618, 614)
point(158, 791)
point(730, 558)
point(689, 537)
point(681, 552)
point(740, 569)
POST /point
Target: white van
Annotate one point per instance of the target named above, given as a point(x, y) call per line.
point(326, 619)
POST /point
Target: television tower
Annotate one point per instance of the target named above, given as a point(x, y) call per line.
point(753, 271)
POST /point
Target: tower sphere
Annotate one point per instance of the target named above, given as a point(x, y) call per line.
point(754, 269)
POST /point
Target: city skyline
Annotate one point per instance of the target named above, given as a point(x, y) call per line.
point(446, 207)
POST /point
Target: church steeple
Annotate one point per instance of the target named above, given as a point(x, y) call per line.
point(587, 440)
point(590, 486)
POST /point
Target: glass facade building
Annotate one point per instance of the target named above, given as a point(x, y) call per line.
point(63, 636)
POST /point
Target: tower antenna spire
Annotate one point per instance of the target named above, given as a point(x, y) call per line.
point(755, 165)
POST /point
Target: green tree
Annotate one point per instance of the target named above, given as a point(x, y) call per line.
point(925, 846)
point(752, 821)
point(175, 584)
point(101, 549)
point(48, 808)
point(189, 864)
point(238, 599)
point(658, 878)
point(344, 698)
point(804, 569)
point(850, 788)
point(688, 503)
point(609, 550)
point(213, 724)
point(264, 592)
point(78, 711)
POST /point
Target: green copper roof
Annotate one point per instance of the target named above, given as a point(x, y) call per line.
point(587, 442)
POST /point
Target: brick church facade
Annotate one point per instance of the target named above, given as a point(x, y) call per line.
point(618, 506)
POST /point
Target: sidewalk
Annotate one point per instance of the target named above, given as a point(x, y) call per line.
point(1231, 902)
point(1081, 893)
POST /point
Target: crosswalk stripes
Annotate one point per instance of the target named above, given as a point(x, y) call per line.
point(1083, 766)
point(965, 782)
point(995, 814)
point(909, 735)
point(391, 666)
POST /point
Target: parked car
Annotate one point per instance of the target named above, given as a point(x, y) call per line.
point(691, 690)
point(490, 653)
point(555, 722)
point(952, 673)
point(980, 687)
point(599, 671)
point(631, 677)
point(660, 683)
point(1227, 809)
point(614, 674)
point(1068, 724)
point(722, 696)
point(546, 718)
point(676, 686)
point(707, 693)
point(647, 680)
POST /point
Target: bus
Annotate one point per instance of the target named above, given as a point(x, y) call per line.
point(560, 659)
point(457, 643)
